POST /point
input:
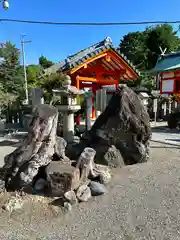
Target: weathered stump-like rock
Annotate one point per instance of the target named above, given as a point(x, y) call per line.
point(37, 149)
point(62, 178)
point(125, 124)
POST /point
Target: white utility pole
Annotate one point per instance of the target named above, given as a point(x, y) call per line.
point(24, 66)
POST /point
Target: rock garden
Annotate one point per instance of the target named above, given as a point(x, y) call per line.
point(44, 164)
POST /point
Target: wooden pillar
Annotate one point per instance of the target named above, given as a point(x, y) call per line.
point(117, 84)
point(161, 85)
point(93, 116)
point(77, 82)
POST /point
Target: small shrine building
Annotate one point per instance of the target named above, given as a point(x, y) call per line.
point(167, 70)
point(98, 65)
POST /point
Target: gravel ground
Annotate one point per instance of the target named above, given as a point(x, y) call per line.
point(142, 203)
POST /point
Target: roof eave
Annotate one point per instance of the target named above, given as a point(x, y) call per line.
point(130, 64)
point(68, 66)
point(106, 48)
point(157, 71)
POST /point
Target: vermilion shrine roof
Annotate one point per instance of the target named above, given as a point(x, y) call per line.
point(83, 55)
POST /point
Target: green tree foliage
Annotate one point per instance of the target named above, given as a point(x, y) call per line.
point(44, 62)
point(143, 49)
point(50, 82)
point(133, 46)
point(11, 80)
point(10, 70)
point(36, 78)
point(162, 36)
point(33, 72)
point(11, 73)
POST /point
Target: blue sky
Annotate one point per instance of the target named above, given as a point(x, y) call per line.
point(56, 42)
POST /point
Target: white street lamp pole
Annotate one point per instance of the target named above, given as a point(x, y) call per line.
point(24, 66)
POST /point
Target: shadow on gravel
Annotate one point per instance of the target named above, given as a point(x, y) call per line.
point(58, 202)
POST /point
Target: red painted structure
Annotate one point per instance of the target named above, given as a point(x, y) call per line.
point(167, 70)
point(106, 68)
point(95, 66)
point(170, 82)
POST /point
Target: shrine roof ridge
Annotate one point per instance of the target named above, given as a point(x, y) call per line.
point(169, 55)
point(167, 62)
point(80, 57)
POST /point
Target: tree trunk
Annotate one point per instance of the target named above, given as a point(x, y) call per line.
point(36, 150)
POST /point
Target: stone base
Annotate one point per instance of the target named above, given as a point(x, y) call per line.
point(61, 178)
point(26, 121)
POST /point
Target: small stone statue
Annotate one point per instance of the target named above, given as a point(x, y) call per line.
point(66, 82)
point(71, 90)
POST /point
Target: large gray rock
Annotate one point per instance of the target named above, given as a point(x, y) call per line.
point(97, 188)
point(109, 155)
point(124, 124)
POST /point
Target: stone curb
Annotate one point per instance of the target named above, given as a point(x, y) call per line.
point(163, 142)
